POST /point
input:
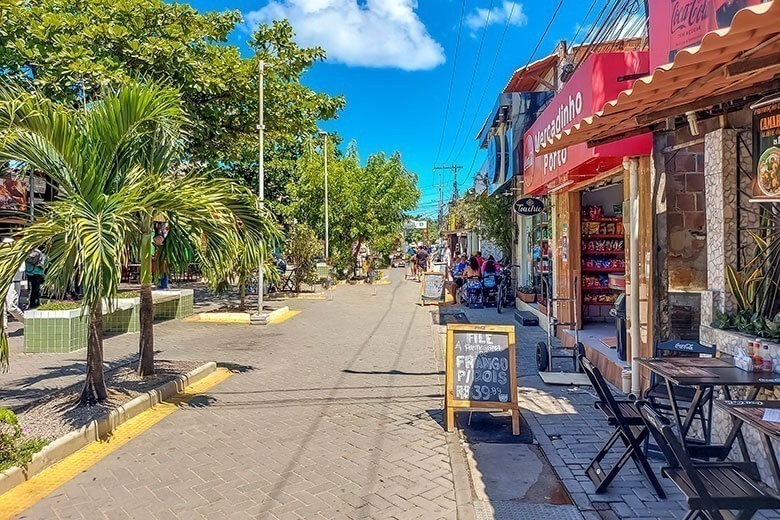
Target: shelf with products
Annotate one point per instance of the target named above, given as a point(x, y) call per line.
point(601, 253)
point(601, 236)
point(603, 270)
point(598, 289)
point(610, 304)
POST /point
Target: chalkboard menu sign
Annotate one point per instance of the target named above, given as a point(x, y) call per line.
point(481, 370)
point(432, 287)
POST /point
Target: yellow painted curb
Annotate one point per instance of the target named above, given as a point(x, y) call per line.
point(284, 317)
point(224, 317)
point(25, 495)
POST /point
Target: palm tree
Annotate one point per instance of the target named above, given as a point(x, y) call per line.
point(99, 162)
point(217, 222)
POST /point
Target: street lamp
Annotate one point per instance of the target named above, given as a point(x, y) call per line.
point(261, 183)
point(325, 155)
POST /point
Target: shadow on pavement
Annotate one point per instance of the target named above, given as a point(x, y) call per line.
point(392, 372)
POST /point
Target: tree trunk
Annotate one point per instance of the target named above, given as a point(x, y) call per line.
point(242, 292)
point(95, 386)
point(146, 345)
point(146, 310)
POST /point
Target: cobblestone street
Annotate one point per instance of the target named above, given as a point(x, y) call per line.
point(332, 414)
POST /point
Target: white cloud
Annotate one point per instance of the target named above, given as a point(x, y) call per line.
point(368, 33)
point(498, 15)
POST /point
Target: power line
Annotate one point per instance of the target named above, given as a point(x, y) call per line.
point(471, 83)
point(549, 24)
point(452, 82)
point(487, 82)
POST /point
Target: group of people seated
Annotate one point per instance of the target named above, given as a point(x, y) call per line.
point(471, 274)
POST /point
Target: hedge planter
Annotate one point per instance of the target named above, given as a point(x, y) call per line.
point(55, 331)
point(169, 305)
point(66, 331)
point(124, 317)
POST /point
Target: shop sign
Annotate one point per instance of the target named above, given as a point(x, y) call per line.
point(528, 206)
point(766, 151)
point(677, 24)
point(416, 224)
point(13, 194)
point(593, 84)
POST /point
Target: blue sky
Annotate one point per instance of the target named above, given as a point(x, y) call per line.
point(393, 60)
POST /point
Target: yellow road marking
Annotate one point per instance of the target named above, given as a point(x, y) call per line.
point(284, 317)
point(25, 495)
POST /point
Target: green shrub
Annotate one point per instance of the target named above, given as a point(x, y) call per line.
point(55, 305)
point(127, 294)
point(16, 449)
point(301, 251)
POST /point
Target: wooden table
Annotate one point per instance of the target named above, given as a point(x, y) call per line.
point(752, 413)
point(704, 374)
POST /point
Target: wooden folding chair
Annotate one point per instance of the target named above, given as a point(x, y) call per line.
point(712, 489)
point(630, 429)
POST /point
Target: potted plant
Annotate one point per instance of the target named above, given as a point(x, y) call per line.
point(526, 293)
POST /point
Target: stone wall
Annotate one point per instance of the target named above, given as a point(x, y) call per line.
point(686, 219)
point(720, 190)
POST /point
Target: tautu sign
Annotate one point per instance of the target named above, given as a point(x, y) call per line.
point(528, 206)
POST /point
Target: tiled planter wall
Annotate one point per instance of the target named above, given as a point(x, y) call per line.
point(169, 305)
point(66, 331)
point(729, 341)
point(54, 331)
point(125, 316)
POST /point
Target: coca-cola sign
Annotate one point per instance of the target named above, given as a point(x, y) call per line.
point(677, 24)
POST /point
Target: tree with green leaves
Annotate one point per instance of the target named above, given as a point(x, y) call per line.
point(99, 161)
point(75, 51)
point(366, 202)
point(490, 216)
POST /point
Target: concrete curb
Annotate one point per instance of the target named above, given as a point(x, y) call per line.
point(461, 477)
point(100, 428)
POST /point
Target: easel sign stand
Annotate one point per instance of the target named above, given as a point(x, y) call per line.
point(481, 371)
point(432, 287)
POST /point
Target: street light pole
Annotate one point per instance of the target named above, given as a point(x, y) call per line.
point(261, 185)
point(325, 155)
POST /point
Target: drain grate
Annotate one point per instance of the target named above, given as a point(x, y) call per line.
point(511, 510)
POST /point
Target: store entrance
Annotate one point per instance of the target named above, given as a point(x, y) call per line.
point(603, 262)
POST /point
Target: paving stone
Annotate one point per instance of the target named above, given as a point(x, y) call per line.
point(333, 415)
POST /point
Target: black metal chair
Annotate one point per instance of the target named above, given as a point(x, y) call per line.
point(658, 396)
point(712, 489)
point(629, 428)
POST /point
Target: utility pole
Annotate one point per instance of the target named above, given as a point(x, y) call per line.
point(261, 183)
point(454, 168)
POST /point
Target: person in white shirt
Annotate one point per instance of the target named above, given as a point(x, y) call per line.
point(12, 295)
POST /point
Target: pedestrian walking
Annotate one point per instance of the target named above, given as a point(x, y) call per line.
point(34, 267)
point(12, 295)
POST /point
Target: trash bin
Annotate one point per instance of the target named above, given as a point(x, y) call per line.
point(619, 313)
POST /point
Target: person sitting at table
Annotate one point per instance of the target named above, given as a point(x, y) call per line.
point(490, 266)
point(472, 276)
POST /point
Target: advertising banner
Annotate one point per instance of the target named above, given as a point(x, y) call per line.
point(766, 151)
point(677, 24)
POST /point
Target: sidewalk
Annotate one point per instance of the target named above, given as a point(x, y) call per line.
point(570, 431)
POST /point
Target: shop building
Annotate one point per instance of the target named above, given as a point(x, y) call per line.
point(711, 189)
point(586, 188)
point(502, 137)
